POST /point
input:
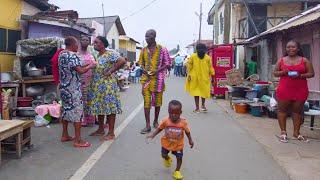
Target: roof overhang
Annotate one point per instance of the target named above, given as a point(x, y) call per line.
point(271, 1)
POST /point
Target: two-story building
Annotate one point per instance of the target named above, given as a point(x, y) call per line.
point(128, 47)
point(234, 21)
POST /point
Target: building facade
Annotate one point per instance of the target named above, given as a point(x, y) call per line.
point(128, 47)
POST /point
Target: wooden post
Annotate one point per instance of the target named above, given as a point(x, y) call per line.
point(18, 144)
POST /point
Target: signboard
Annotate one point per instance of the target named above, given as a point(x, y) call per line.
point(222, 82)
point(223, 62)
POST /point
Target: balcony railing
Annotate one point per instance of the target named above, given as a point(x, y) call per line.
point(246, 29)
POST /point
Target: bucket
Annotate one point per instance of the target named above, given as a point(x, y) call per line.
point(256, 111)
point(241, 108)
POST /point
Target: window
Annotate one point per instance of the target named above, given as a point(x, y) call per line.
point(113, 46)
point(221, 23)
point(8, 40)
point(306, 50)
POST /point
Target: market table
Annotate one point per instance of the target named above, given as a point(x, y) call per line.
point(10, 128)
point(312, 113)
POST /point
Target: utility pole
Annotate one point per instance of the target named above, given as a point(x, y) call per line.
point(104, 22)
point(200, 21)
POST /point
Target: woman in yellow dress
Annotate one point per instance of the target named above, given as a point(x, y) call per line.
point(200, 71)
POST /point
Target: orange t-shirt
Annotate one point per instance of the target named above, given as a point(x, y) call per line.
point(173, 138)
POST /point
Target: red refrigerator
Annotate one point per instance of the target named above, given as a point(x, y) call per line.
point(222, 61)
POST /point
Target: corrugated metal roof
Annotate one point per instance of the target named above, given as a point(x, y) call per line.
point(107, 20)
point(305, 17)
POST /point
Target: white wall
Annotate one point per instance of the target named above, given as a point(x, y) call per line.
point(221, 11)
point(113, 34)
point(28, 9)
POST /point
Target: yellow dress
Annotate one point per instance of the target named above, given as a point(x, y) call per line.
point(198, 82)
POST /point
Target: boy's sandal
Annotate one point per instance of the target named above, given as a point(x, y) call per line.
point(82, 145)
point(66, 139)
point(145, 130)
point(283, 138)
point(302, 139)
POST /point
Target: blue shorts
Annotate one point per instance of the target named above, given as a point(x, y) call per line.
point(178, 154)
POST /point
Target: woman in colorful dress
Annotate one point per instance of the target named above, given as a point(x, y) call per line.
point(86, 58)
point(200, 71)
point(103, 95)
point(70, 91)
point(292, 91)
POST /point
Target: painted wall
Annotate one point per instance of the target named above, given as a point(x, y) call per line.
point(37, 30)
point(113, 34)
point(28, 9)
point(283, 10)
point(10, 11)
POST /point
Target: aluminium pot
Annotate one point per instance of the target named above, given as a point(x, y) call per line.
point(35, 72)
point(26, 112)
point(33, 91)
point(7, 77)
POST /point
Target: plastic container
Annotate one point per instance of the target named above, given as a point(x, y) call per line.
point(251, 94)
point(256, 111)
point(241, 108)
point(24, 101)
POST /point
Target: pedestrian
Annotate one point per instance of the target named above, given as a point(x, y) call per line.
point(251, 66)
point(200, 71)
point(70, 91)
point(86, 58)
point(173, 139)
point(103, 94)
point(154, 61)
point(292, 91)
point(179, 63)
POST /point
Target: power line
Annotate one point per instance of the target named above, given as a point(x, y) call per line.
point(138, 11)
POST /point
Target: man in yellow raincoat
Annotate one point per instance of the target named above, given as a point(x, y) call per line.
point(200, 71)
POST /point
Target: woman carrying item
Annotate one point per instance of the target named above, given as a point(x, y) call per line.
point(200, 71)
point(70, 90)
point(103, 95)
point(292, 91)
point(86, 58)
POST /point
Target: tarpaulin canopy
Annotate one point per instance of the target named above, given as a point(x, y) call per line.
point(36, 47)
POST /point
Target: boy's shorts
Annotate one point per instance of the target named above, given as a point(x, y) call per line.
point(178, 154)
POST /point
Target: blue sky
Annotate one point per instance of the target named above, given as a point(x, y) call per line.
point(174, 20)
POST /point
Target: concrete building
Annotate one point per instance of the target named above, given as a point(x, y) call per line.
point(113, 28)
point(128, 47)
point(304, 28)
point(234, 21)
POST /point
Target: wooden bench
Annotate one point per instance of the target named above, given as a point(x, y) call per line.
point(9, 128)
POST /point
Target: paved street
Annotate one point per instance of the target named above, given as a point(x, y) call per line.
point(223, 150)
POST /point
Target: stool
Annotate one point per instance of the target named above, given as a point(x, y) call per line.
point(312, 113)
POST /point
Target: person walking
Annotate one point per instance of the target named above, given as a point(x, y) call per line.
point(86, 58)
point(200, 71)
point(103, 95)
point(154, 61)
point(292, 91)
point(179, 64)
point(70, 91)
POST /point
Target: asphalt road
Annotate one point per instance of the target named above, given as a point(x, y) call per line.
point(223, 150)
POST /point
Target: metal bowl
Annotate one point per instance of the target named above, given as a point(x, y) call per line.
point(26, 112)
point(6, 77)
point(35, 72)
point(33, 91)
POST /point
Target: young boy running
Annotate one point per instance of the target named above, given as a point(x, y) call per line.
point(173, 140)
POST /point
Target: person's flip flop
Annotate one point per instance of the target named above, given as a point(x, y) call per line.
point(145, 130)
point(97, 134)
point(66, 139)
point(196, 111)
point(204, 109)
point(82, 145)
point(302, 139)
point(109, 137)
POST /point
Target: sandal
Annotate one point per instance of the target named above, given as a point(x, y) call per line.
point(97, 134)
point(155, 124)
point(109, 137)
point(204, 109)
point(197, 111)
point(66, 139)
point(145, 130)
point(82, 145)
point(302, 139)
point(283, 138)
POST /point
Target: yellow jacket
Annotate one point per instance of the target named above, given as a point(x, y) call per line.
point(200, 72)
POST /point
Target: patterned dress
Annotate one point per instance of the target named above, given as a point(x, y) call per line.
point(86, 58)
point(104, 94)
point(70, 87)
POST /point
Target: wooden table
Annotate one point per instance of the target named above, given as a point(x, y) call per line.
point(10, 128)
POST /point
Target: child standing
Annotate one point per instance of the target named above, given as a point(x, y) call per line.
point(173, 139)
